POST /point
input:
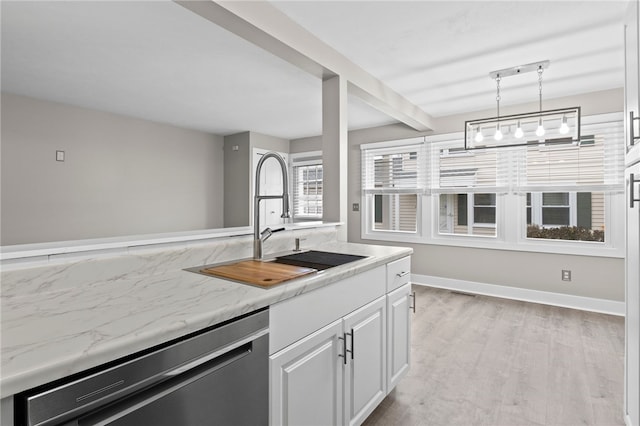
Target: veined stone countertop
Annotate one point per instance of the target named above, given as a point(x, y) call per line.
point(63, 320)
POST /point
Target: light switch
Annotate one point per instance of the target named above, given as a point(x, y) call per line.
point(59, 155)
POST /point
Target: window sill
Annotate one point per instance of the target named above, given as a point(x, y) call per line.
point(394, 236)
point(492, 243)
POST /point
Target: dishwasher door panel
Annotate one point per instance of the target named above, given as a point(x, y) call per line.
point(230, 390)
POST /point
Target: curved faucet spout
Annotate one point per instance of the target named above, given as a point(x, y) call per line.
point(257, 241)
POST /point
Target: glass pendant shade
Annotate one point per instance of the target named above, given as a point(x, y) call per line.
point(564, 127)
point(498, 134)
point(478, 137)
point(518, 133)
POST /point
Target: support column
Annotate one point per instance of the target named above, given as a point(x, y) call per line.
point(335, 152)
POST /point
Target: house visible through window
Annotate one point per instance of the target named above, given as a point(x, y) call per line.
point(566, 215)
point(468, 214)
point(466, 181)
point(396, 211)
point(393, 181)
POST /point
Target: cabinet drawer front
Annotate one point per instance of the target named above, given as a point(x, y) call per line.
point(295, 318)
point(398, 273)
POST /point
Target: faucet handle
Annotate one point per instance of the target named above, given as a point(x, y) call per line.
point(298, 244)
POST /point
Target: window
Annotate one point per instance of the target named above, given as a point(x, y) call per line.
point(466, 182)
point(393, 179)
point(567, 184)
point(468, 214)
point(307, 187)
point(566, 215)
point(560, 196)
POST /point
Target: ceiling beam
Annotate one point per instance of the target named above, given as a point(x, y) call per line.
point(264, 25)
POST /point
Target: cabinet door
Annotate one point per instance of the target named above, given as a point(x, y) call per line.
point(306, 380)
point(632, 331)
point(398, 335)
point(365, 370)
point(632, 77)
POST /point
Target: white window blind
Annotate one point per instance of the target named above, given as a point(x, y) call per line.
point(393, 177)
point(307, 188)
point(594, 164)
point(394, 170)
point(455, 170)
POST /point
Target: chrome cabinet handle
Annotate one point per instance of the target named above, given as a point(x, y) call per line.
point(343, 355)
point(632, 182)
point(413, 306)
point(352, 347)
point(402, 274)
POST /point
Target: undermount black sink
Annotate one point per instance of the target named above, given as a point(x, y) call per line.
point(319, 260)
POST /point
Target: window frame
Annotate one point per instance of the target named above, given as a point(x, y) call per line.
point(538, 206)
point(367, 215)
point(312, 158)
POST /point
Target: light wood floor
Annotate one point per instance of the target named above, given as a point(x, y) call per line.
point(480, 360)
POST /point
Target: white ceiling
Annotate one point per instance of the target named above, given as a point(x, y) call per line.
point(159, 61)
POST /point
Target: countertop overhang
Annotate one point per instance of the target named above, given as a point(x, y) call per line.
point(51, 334)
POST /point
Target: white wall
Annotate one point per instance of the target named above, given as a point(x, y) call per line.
point(596, 277)
point(121, 176)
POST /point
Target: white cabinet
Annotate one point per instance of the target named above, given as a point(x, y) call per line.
point(365, 365)
point(632, 138)
point(398, 335)
point(632, 81)
point(306, 380)
point(632, 319)
point(337, 351)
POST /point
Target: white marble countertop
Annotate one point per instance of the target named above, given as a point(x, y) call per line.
point(50, 332)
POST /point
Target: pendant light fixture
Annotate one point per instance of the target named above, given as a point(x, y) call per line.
point(559, 125)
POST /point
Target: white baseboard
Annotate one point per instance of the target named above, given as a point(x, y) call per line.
point(547, 298)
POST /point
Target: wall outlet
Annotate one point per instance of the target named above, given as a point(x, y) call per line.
point(355, 207)
point(59, 155)
point(566, 275)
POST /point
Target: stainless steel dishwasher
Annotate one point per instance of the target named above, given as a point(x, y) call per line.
point(215, 377)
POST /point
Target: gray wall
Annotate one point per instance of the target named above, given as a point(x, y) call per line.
point(121, 176)
point(270, 143)
point(597, 277)
point(236, 179)
point(238, 188)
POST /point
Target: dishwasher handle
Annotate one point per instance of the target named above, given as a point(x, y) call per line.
point(209, 365)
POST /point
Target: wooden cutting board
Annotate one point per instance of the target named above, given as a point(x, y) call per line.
point(263, 274)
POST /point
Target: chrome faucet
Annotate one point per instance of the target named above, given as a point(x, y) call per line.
point(260, 237)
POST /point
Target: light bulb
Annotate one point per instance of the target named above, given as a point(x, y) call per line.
point(479, 136)
point(519, 133)
point(498, 135)
point(564, 127)
point(540, 129)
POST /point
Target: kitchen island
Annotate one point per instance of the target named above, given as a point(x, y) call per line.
point(58, 320)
